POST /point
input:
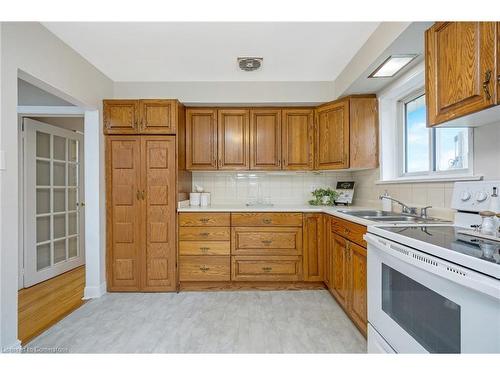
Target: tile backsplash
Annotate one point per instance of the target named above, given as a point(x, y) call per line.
point(274, 187)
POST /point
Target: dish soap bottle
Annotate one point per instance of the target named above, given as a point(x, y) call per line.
point(386, 203)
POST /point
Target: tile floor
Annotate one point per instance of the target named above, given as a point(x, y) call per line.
point(207, 322)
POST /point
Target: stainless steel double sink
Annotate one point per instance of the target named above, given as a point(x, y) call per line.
point(392, 217)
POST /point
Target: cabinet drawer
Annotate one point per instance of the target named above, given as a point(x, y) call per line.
point(204, 248)
point(266, 268)
point(208, 219)
point(204, 268)
point(204, 234)
point(250, 219)
point(352, 231)
point(266, 241)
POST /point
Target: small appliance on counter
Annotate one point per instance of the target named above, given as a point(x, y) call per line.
point(346, 192)
point(200, 197)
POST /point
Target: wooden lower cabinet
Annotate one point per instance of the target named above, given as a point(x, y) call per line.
point(313, 247)
point(141, 235)
point(204, 268)
point(266, 241)
point(266, 268)
point(357, 286)
point(340, 269)
point(346, 268)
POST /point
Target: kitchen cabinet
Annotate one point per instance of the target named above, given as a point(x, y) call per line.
point(332, 136)
point(121, 116)
point(141, 235)
point(266, 241)
point(313, 248)
point(346, 134)
point(297, 139)
point(265, 139)
point(460, 69)
point(204, 247)
point(269, 268)
point(144, 116)
point(201, 139)
point(327, 235)
point(346, 268)
point(233, 139)
point(340, 255)
point(357, 285)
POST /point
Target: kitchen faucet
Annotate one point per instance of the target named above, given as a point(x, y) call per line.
point(405, 208)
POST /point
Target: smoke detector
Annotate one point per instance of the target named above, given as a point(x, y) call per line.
point(249, 64)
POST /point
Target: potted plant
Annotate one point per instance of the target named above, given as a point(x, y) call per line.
point(323, 197)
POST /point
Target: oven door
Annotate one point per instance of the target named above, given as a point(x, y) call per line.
point(418, 308)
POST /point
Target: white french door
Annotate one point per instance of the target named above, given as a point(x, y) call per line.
point(53, 204)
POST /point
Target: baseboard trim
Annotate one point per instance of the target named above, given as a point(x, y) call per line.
point(91, 292)
point(249, 285)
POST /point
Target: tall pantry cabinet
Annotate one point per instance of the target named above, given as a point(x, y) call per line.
point(145, 175)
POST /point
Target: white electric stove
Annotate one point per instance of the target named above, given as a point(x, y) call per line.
point(434, 289)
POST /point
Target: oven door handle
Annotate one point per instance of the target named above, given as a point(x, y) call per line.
point(453, 272)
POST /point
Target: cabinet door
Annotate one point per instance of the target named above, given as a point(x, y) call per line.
point(313, 247)
point(339, 269)
point(121, 116)
point(357, 286)
point(158, 224)
point(327, 235)
point(265, 139)
point(124, 211)
point(460, 69)
point(363, 132)
point(201, 139)
point(297, 139)
point(332, 136)
point(158, 116)
point(233, 140)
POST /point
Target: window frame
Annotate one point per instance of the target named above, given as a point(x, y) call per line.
point(432, 155)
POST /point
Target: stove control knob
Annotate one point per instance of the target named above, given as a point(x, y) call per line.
point(481, 196)
point(465, 196)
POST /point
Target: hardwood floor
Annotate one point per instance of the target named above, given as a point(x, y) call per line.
point(44, 304)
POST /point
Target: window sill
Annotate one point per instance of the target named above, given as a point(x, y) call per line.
point(422, 179)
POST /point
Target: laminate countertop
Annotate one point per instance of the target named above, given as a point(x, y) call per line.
point(338, 211)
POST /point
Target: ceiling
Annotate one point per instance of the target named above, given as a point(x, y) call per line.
point(201, 51)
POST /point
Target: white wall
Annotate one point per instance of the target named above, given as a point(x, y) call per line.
point(282, 188)
point(436, 194)
point(28, 49)
point(27, 94)
point(192, 93)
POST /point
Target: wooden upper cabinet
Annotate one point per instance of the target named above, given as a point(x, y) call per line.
point(158, 116)
point(124, 208)
point(121, 116)
point(297, 139)
point(233, 139)
point(363, 132)
point(201, 139)
point(461, 74)
point(265, 139)
point(158, 224)
point(357, 305)
point(332, 136)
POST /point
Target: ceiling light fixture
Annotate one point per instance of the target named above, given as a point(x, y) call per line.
point(249, 64)
point(392, 65)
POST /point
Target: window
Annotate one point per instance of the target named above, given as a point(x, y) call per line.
point(430, 151)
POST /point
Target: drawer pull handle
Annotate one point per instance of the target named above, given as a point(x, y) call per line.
point(204, 268)
point(204, 249)
point(204, 220)
point(267, 221)
point(204, 234)
point(486, 82)
point(267, 269)
point(267, 242)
